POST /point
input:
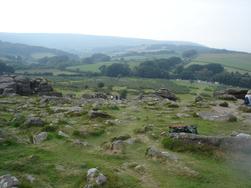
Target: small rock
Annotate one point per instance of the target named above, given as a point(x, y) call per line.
point(95, 178)
point(30, 178)
point(61, 133)
point(37, 139)
point(8, 181)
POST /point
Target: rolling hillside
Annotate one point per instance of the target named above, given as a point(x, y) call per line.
point(79, 44)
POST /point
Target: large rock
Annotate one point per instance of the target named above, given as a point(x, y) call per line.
point(215, 116)
point(165, 93)
point(21, 85)
point(39, 138)
point(237, 93)
point(8, 181)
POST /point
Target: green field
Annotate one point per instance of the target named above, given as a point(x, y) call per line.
point(231, 61)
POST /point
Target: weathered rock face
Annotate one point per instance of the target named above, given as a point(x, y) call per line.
point(165, 93)
point(11, 85)
point(237, 93)
point(8, 181)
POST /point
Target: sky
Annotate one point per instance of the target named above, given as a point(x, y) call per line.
point(214, 23)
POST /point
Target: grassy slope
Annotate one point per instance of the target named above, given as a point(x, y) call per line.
point(18, 160)
point(231, 61)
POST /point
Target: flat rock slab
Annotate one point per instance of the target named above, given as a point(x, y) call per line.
point(215, 116)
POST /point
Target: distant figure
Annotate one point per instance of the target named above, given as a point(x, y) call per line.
point(117, 98)
point(112, 97)
point(248, 98)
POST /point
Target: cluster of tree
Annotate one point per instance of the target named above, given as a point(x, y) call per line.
point(234, 79)
point(158, 68)
point(115, 70)
point(199, 72)
point(98, 57)
point(175, 68)
point(5, 68)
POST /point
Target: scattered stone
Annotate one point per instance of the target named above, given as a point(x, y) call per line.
point(8, 181)
point(182, 115)
point(246, 109)
point(96, 114)
point(95, 178)
point(152, 152)
point(61, 133)
point(30, 178)
point(37, 139)
point(165, 93)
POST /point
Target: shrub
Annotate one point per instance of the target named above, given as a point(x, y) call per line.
point(224, 104)
point(183, 146)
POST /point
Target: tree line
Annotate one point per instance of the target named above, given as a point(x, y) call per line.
point(175, 68)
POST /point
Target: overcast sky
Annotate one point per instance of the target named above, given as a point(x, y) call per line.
point(215, 23)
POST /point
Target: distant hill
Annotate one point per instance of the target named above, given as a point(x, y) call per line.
point(27, 52)
point(79, 44)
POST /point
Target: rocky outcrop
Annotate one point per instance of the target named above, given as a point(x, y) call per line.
point(12, 85)
point(165, 93)
point(237, 93)
point(8, 181)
